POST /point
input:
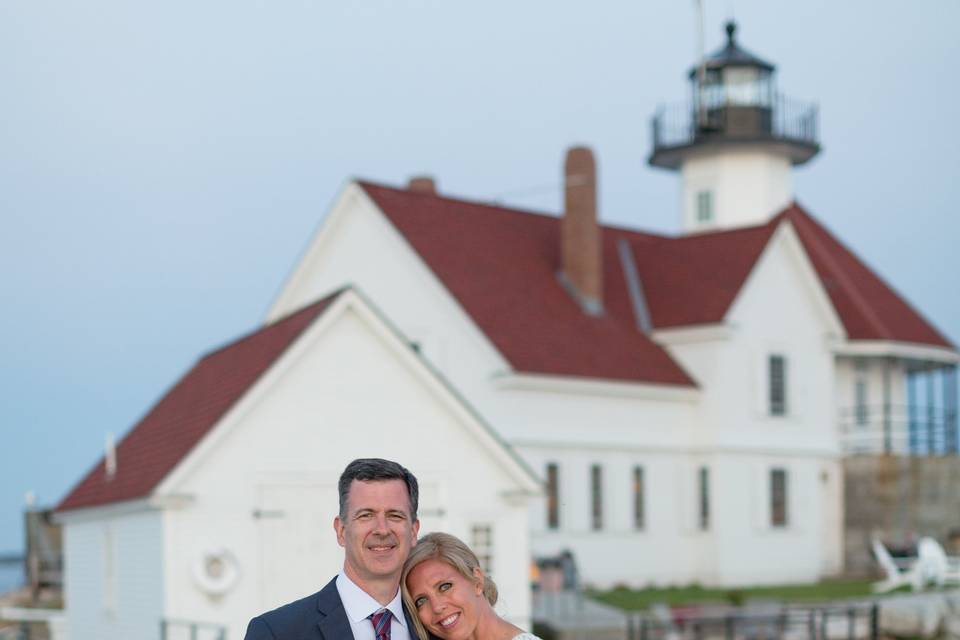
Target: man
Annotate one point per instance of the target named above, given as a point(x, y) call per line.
point(377, 527)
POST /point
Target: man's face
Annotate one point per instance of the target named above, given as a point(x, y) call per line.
point(377, 531)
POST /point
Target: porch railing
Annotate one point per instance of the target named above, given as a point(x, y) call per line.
point(899, 429)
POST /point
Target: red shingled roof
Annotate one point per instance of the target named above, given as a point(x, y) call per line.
point(868, 307)
point(501, 265)
point(690, 280)
point(188, 411)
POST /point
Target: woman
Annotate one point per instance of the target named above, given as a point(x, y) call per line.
point(443, 583)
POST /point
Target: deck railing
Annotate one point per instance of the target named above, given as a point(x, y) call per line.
point(785, 119)
point(899, 429)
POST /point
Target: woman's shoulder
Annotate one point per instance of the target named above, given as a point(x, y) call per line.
point(526, 636)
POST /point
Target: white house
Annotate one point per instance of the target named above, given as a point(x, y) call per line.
point(681, 396)
point(219, 504)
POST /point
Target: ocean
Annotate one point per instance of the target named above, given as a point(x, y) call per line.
point(11, 576)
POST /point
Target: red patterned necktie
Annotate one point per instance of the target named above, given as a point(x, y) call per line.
point(381, 624)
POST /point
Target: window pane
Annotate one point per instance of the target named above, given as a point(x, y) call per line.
point(704, 206)
point(778, 497)
point(482, 545)
point(778, 385)
point(638, 505)
point(860, 394)
point(596, 497)
point(553, 498)
point(704, 482)
point(743, 85)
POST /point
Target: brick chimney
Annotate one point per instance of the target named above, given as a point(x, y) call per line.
point(422, 184)
point(581, 253)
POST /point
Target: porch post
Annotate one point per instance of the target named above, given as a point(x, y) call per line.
point(912, 410)
point(931, 415)
point(887, 426)
point(950, 409)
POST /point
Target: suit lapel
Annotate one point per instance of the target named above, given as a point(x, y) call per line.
point(333, 622)
point(412, 630)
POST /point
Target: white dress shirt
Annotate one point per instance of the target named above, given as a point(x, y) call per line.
point(358, 605)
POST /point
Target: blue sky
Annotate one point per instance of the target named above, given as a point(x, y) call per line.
point(162, 165)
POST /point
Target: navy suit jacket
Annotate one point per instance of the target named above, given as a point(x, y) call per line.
point(317, 617)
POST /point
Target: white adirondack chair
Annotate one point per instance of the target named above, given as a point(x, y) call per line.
point(935, 566)
point(895, 576)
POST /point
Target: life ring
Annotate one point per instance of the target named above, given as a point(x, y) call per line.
point(216, 571)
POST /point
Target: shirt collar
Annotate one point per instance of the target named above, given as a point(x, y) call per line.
point(359, 604)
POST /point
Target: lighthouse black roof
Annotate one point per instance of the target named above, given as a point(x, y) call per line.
point(732, 55)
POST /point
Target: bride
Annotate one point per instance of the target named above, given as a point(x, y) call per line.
point(453, 600)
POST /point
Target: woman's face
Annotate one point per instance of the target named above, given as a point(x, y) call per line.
point(448, 604)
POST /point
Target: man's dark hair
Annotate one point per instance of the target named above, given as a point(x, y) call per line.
point(377, 470)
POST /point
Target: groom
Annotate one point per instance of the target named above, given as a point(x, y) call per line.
point(376, 527)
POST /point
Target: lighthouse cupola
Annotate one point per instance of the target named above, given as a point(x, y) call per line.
point(735, 142)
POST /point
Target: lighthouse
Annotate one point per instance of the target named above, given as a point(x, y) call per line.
point(735, 142)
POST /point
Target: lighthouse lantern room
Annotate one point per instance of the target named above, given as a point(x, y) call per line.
point(735, 142)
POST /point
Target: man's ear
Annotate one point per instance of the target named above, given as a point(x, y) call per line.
point(338, 527)
point(416, 530)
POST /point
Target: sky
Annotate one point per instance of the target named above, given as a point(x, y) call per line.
point(163, 164)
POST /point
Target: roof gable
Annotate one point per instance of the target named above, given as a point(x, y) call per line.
point(783, 287)
point(354, 304)
point(189, 410)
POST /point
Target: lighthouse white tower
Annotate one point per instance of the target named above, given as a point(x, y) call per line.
point(736, 142)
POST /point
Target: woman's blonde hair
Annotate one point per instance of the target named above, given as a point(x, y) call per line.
point(449, 549)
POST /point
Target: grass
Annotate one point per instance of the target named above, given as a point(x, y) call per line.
point(636, 599)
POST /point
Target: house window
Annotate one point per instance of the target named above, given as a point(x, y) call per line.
point(481, 541)
point(777, 373)
point(861, 412)
point(778, 497)
point(704, 207)
point(703, 482)
point(553, 497)
point(638, 504)
point(596, 497)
